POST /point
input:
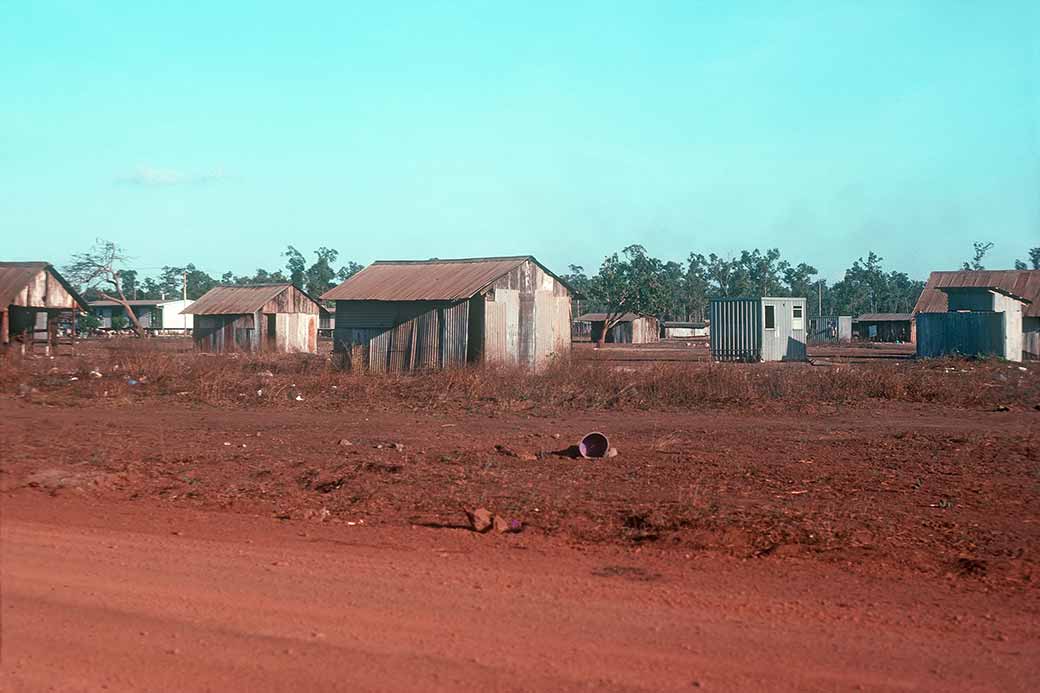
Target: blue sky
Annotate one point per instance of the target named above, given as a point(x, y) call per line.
point(218, 132)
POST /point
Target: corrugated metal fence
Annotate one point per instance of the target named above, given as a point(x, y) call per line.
point(736, 329)
point(963, 334)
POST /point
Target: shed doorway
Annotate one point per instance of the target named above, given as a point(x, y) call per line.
point(269, 335)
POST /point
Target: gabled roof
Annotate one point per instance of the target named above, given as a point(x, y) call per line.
point(1023, 283)
point(14, 276)
point(237, 300)
point(427, 280)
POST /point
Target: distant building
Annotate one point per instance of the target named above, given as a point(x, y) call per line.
point(883, 327)
point(830, 329)
point(259, 317)
point(1024, 284)
point(981, 321)
point(30, 291)
point(408, 315)
point(631, 328)
point(675, 329)
point(153, 314)
point(757, 329)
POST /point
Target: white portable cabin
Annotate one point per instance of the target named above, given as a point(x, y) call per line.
point(758, 329)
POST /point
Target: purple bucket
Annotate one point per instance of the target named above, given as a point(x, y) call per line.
point(594, 446)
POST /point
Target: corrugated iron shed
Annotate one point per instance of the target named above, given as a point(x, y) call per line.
point(1024, 283)
point(237, 300)
point(427, 280)
point(14, 276)
point(884, 317)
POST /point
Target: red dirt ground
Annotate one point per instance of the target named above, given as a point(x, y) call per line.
point(151, 541)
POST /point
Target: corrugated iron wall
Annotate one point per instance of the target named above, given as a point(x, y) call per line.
point(295, 333)
point(218, 333)
point(1031, 337)
point(399, 336)
point(736, 329)
point(964, 334)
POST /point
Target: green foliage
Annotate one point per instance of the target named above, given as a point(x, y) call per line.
point(296, 263)
point(87, 323)
point(975, 264)
point(120, 322)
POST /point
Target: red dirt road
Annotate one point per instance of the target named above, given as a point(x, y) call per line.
point(127, 597)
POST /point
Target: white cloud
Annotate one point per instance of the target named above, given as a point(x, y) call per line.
point(151, 176)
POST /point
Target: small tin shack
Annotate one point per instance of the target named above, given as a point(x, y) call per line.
point(630, 328)
point(32, 292)
point(1024, 283)
point(259, 317)
point(980, 321)
point(407, 315)
point(676, 329)
point(883, 327)
point(757, 329)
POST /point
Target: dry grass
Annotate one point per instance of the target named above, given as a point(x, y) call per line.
point(130, 370)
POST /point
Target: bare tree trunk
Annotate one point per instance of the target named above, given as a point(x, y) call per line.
point(121, 300)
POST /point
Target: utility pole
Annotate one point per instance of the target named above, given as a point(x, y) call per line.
point(184, 285)
point(819, 285)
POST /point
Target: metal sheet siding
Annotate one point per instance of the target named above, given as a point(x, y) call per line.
point(964, 334)
point(784, 342)
point(456, 334)
point(736, 329)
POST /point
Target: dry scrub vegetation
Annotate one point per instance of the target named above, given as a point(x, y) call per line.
point(124, 370)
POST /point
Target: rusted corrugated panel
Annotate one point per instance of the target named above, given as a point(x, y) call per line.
point(455, 333)
point(427, 341)
point(431, 280)
point(1024, 283)
point(379, 352)
point(544, 318)
point(36, 285)
point(238, 300)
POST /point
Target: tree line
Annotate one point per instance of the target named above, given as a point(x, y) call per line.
point(173, 281)
point(634, 281)
point(631, 280)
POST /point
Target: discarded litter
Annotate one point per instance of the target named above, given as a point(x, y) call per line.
point(594, 446)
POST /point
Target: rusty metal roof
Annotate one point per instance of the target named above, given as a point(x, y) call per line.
point(884, 317)
point(15, 275)
point(235, 300)
point(427, 280)
point(1024, 283)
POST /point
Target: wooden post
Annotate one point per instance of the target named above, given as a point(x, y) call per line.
point(5, 327)
point(52, 332)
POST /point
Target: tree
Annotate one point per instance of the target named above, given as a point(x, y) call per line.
point(1034, 260)
point(320, 277)
point(296, 263)
point(975, 264)
point(628, 283)
point(348, 270)
point(101, 267)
